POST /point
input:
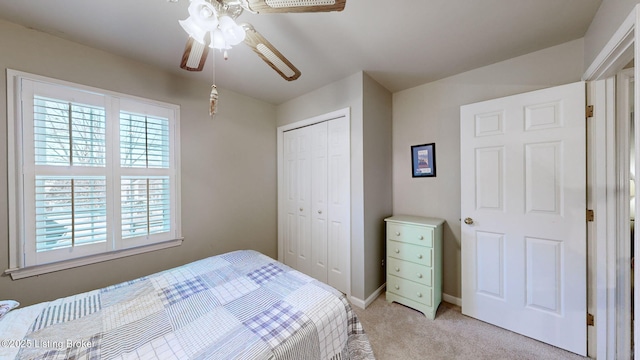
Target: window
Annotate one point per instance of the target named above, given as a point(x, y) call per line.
point(94, 175)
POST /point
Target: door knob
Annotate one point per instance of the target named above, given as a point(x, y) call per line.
point(468, 221)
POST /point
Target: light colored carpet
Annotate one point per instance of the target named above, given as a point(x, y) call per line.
point(398, 332)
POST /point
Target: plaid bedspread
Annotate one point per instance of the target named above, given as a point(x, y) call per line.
point(239, 305)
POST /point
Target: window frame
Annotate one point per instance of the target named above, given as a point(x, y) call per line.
point(114, 103)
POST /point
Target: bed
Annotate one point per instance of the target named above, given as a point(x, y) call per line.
point(238, 305)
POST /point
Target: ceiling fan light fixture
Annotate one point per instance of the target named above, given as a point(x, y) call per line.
point(233, 33)
point(218, 41)
point(204, 14)
point(212, 24)
point(194, 31)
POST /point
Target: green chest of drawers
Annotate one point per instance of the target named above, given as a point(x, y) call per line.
point(414, 262)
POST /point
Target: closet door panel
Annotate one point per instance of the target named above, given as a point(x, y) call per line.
point(303, 178)
point(319, 218)
point(339, 202)
point(296, 171)
point(290, 175)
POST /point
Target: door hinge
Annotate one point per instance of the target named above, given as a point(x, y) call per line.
point(589, 111)
point(590, 320)
point(590, 215)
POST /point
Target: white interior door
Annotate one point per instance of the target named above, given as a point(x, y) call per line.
point(523, 198)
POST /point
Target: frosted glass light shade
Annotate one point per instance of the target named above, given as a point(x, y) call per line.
point(195, 31)
point(204, 14)
point(218, 41)
point(233, 33)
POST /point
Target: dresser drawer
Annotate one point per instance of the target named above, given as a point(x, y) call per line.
point(410, 290)
point(414, 253)
point(418, 235)
point(410, 271)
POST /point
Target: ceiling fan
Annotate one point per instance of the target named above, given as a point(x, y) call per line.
point(211, 24)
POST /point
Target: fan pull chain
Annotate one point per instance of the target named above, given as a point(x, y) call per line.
point(213, 96)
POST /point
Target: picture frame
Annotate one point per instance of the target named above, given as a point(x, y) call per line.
point(423, 160)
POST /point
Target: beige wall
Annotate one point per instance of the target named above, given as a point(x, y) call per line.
point(370, 108)
point(378, 199)
point(228, 163)
point(604, 24)
point(431, 113)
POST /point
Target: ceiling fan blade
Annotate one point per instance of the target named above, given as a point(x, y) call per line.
point(270, 54)
point(289, 6)
point(194, 56)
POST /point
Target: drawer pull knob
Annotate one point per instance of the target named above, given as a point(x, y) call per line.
point(397, 268)
point(419, 256)
point(397, 287)
point(397, 233)
point(419, 295)
point(397, 251)
point(419, 276)
point(421, 237)
point(301, 209)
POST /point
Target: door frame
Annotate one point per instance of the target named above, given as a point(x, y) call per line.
point(607, 190)
point(342, 113)
point(624, 297)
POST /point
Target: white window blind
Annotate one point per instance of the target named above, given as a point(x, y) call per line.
point(144, 141)
point(68, 134)
point(70, 211)
point(146, 206)
point(95, 172)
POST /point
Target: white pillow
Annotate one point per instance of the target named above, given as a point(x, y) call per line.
point(6, 306)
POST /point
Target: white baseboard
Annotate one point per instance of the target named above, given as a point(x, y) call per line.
point(362, 304)
point(452, 299)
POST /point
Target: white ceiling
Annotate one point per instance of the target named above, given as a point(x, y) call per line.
point(400, 43)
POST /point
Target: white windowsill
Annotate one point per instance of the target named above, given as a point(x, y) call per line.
point(20, 273)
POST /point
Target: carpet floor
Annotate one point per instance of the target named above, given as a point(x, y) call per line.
point(397, 332)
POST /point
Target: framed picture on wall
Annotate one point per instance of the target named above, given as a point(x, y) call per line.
point(423, 160)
